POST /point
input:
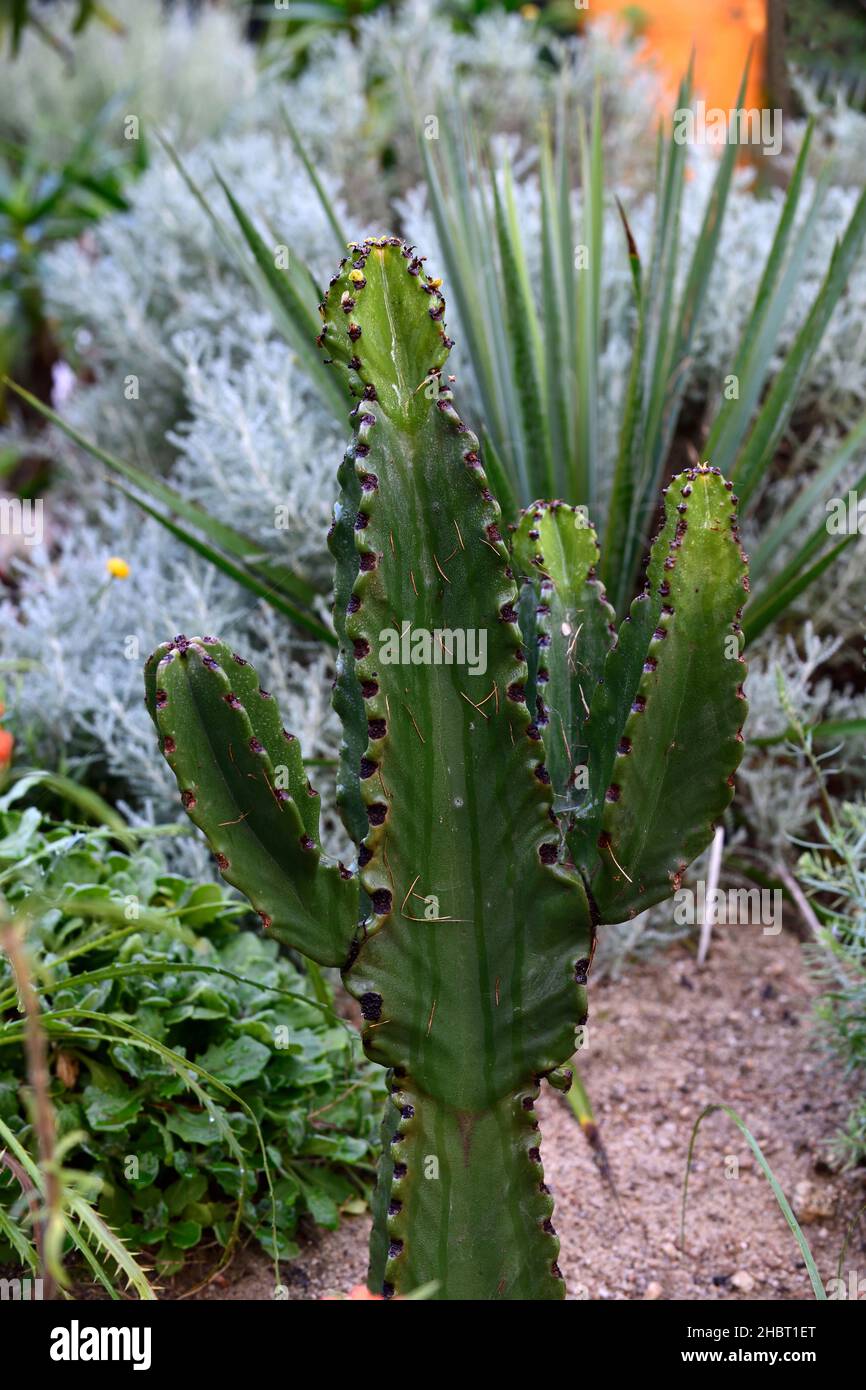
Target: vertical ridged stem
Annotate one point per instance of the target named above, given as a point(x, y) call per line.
point(466, 1206)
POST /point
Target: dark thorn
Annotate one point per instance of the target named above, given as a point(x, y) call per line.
point(371, 1007)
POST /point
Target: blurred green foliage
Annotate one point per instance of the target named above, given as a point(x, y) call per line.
point(213, 1090)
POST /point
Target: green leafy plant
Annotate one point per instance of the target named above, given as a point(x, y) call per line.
point(485, 862)
point(203, 1086)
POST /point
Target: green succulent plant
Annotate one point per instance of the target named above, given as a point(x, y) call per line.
point(502, 808)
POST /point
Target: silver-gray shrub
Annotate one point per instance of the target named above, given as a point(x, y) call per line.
point(155, 294)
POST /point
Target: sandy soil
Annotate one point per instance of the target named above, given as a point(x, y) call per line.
point(664, 1041)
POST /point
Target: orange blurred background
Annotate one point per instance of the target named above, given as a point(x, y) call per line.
point(721, 32)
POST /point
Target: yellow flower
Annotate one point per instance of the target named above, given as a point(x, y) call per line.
point(117, 567)
point(530, 11)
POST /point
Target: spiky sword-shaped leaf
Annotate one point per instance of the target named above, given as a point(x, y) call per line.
point(467, 974)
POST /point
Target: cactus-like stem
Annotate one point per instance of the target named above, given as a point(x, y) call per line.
point(556, 549)
point(243, 783)
point(460, 857)
point(347, 699)
point(468, 706)
point(665, 724)
point(464, 1200)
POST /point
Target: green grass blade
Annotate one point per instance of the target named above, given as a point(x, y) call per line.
point(658, 311)
point(814, 542)
point(559, 380)
point(82, 797)
point(670, 179)
point(514, 448)
point(498, 478)
point(839, 728)
point(294, 316)
point(155, 967)
point(694, 295)
point(614, 570)
point(340, 236)
point(462, 244)
point(589, 301)
point(277, 574)
point(771, 302)
point(241, 575)
point(779, 596)
point(565, 231)
point(829, 729)
point(778, 406)
point(794, 1225)
point(581, 1108)
point(812, 496)
point(587, 358)
point(524, 336)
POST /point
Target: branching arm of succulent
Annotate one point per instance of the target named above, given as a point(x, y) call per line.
point(665, 725)
point(556, 548)
point(242, 781)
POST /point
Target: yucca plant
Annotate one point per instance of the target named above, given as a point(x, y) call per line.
point(535, 349)
point(535, 353)
point(484, 863)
